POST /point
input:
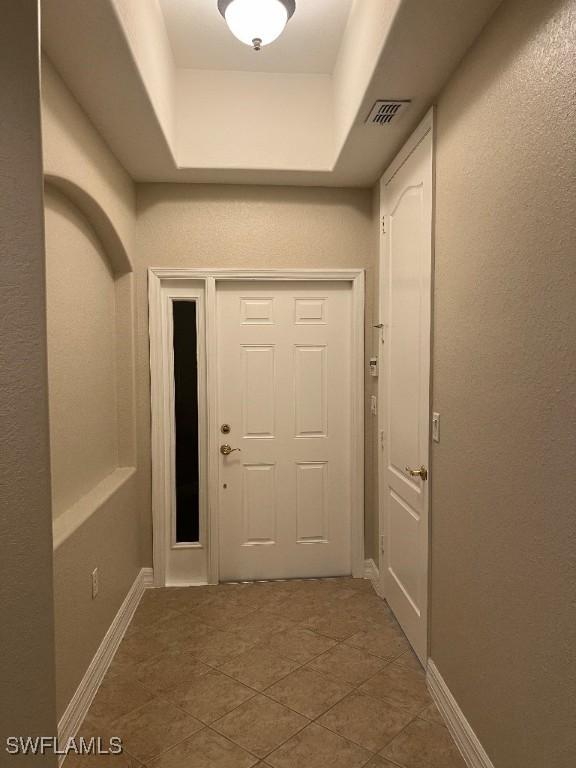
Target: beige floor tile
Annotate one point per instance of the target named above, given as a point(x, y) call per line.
point(206, 652)
point(424, 745)
point(103, 732)
point(409, 659)
point(337, 623)
point(386, 642)
point(182, 628)
point(371, 723)
point(90, 728)
point(116, 698)
point(211, 696)
point(121, 669)
point(159, 594)
point(316, 747)
point(222, 615)
point(239, 595)
point(218, 647)
point(141, 645)
point(260, 725)
point(268, 601)
point(259, 668)
point(349, 664)
point(260, 624)
point(373, 609)
point(149, 613)
point(179, 598)
point(379, 762)
point(399, 684)
point(262, 588)
point(379, 620)
point(328, 591)
point(297, 609)
point(293, 587)
point(341, 595)
point(163, 672)
point(123, 760)
point(308, 692)
point(299, 644)
point(152, 729)
point(362, 585)
point(206, 749)
point(370, 598)
point(432, 714)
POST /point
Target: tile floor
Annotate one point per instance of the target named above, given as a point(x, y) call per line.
point(294, 674)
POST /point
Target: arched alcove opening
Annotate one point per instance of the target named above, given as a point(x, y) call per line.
point(90, 365)
point(113, 245)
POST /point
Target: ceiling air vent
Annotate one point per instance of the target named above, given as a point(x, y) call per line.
point(386, 112)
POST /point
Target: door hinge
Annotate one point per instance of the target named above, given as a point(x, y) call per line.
point(383, 225)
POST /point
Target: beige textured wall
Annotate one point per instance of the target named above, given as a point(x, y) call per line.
point(81, 310)
point(91, 317)
point(109, 539)
point(27, 705)
point(235, 226)
point(503, 512)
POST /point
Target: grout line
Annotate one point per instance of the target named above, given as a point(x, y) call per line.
point(173, 746)
point(306, 724)
point(205, 724)
point(253, 610)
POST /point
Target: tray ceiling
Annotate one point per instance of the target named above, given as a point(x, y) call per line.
point(200, 39)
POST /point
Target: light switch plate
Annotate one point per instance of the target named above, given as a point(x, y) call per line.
point(436, 427)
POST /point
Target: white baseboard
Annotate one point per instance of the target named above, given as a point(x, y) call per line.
point(147, 577)
point(461, 730)
point(76, 710)
point(371, 572)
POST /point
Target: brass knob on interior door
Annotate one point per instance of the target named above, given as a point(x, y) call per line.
point(422, 472)
point(226, 449)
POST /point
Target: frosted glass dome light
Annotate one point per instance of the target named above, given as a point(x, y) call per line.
point(256, 22)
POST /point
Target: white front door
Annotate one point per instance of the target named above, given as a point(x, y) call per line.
point(285, 394)
point(405, 279)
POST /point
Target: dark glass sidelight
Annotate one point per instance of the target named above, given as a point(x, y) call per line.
point(186, 418)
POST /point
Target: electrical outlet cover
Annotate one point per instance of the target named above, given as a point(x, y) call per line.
point(95, 584)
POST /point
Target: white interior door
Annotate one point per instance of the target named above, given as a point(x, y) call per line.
point(405, 278)
point(285, 390)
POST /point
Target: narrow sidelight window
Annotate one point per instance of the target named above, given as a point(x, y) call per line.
point(186, 421)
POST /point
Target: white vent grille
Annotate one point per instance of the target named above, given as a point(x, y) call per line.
point(386, 112)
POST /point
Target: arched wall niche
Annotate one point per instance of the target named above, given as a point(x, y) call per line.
point(99, 220)
point(90, 314)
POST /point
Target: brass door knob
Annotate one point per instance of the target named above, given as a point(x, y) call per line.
point(422, 472)
point(226, 449)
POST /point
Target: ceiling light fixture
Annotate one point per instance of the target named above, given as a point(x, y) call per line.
point(256, 22)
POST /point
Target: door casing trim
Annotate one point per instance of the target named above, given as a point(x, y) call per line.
point(161, 431)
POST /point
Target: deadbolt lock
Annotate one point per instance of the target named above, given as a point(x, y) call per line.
point(225, 429)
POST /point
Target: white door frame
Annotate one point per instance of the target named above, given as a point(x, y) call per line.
point(426, 127)
point(162, 428)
